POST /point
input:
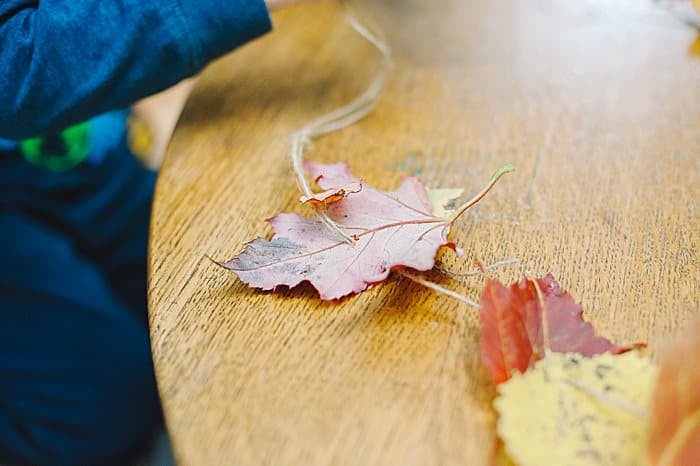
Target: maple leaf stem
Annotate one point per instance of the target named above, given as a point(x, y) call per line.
point(438, 288)
point(492, 182)
point(545, 318)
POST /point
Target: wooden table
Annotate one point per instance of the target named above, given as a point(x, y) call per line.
point(596, 102)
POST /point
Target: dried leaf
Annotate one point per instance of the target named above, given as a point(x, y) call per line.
point(576, 410)
point(511, 326)
point(330, 196)
point(675, 416)
point(391, 229)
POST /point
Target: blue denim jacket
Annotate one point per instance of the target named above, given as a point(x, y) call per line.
point(65, 61)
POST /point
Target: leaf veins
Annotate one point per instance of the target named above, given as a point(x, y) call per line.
point(512, 336)
point(391, 229)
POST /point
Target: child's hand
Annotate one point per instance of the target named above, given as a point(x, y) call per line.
point(274, 5)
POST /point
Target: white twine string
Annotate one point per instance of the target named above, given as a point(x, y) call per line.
point(438, 289)
point(341, 117)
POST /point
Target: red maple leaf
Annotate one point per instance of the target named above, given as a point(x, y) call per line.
point(511, 326)
point(391, 229)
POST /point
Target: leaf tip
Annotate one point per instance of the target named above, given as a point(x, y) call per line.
point(507, 168)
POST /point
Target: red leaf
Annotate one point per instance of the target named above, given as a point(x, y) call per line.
point(511, 326)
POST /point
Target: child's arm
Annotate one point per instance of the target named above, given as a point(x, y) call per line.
point(62, 61)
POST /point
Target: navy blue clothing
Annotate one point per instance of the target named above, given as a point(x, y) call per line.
point(77, 384)
point(76, 376)
point(64, 61)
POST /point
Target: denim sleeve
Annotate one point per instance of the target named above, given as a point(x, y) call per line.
point(63, 61)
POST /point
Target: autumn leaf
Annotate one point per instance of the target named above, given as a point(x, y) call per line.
point(511, 326)
point(500, 456)
point(393, 229)
point(675, 420)
point(329, 196)
point(577, 410)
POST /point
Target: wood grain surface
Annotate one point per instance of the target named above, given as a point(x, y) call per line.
point(596, 102)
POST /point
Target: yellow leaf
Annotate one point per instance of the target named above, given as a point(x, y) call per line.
point(443, 201)
point(501, 458)
point(696, 5)
point(574, 410)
